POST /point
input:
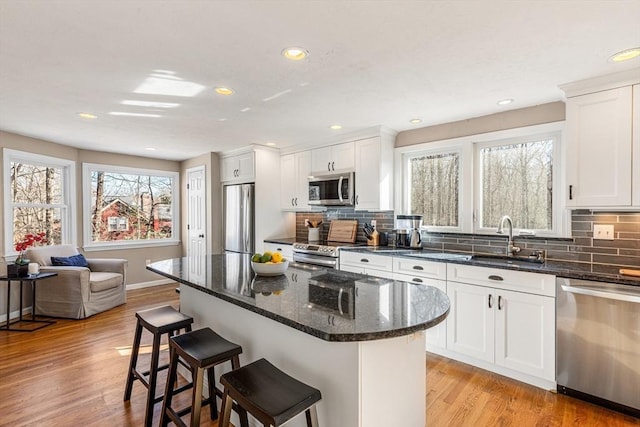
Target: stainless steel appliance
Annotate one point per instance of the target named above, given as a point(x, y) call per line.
point(332, 190)
point(239, 218)
point(325, 255)
point(598, 343)
point(408, 231)
point(333, 293)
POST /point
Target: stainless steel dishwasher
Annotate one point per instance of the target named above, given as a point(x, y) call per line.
point(598, 343)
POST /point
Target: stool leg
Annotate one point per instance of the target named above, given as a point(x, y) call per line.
point(242, 413)
point(312, 416)
point(213, 401)
point(225, 410)
point(196, 398)
point(135, 348)
point(153, 379)
point(168, 392)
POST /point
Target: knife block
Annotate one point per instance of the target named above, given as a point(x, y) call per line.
point(375, 239)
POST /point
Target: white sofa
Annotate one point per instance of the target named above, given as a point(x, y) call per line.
point(77, 292)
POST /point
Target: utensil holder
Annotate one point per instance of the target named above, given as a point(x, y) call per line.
point(314, 234)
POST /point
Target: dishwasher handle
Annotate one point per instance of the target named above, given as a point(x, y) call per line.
point(601, 294)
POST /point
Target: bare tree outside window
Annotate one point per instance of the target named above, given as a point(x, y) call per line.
point(434, 180)
point(37, 200)
point(128, 206)
point(517, 179)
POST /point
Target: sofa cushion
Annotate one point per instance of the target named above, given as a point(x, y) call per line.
point(72, 261)
point(101, 281)
point(42, 254)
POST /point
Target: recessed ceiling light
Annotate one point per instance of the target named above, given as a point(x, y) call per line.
point(271, 144)
point(625, 55)
point(415, 121)
point(87, 116)
point(295, 53)
point(150, 149)
point(221, 90)
point(505, 101)
point(122, 113)
point(336, 127)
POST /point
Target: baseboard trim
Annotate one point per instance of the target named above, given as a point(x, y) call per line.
point(149, 284)
point(14, 315)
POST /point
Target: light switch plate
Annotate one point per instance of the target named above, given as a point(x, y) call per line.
point(603, 231)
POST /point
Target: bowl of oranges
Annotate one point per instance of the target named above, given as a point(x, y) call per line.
point(269, 264)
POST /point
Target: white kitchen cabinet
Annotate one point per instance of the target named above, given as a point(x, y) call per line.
point(602, 143)
point(334, 158)
point(294, 185)
point(285, 250)
point(374, 173)
point(238, 168)
point(504, 326)
point(365, 263)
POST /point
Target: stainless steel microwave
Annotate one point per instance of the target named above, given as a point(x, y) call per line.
point(332, 190)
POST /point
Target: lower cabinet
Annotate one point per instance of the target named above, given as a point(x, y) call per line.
point(371, 264)
point(515, 330)
point(285, 250)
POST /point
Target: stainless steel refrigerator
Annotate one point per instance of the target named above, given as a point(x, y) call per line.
point(239, 214)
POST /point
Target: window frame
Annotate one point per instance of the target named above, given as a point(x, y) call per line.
point(469, 179)
point(69, 195)
point(88, 245)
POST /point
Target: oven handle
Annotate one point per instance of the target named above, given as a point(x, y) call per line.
point(323, 261)
point(601, 294)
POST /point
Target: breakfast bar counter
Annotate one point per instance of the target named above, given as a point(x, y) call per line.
point(358, 339)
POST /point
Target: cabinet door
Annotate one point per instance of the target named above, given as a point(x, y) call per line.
point(636, 146)
point(525, 333)
point(285, 250)
point(246, 167)
point(343, 157)
point(287, 182)
point(302, 171)
point(599, 148)
point(367, 159)
point(470, 325)
point(229, 169)
point(321, 160)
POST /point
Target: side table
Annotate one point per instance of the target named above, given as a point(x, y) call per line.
point(33, 280)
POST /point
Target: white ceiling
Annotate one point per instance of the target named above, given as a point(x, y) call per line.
point(371, 63)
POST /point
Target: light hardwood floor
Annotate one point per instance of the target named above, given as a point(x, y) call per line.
point(73, 373)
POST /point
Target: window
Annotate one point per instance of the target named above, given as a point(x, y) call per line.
point(516, 178)
point(434, 188)
point(467, 184)
point(37, 194)
point(126, 206)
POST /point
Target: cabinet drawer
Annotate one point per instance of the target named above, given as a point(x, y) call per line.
point(368, 261)
point(420, 268)
point(523, 281)
point(285, 250)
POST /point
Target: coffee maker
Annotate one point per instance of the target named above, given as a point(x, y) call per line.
point(408, 231)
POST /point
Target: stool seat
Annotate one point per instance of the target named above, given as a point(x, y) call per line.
point(162, 320)
point(159, 321)
point(269, 394)
point(201, 350)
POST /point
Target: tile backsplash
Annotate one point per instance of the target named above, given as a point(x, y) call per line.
point(604, 256)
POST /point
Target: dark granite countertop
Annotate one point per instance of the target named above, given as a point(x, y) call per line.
point(556, 268)
point(282, 240)
point(306, 298)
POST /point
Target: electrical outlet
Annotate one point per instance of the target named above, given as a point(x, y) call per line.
point(147, 261)
point(603, 231)
point(373, 223)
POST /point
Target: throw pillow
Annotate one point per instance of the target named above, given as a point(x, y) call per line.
point(71, 261)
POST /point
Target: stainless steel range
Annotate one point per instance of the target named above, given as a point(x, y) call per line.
point(325, 254)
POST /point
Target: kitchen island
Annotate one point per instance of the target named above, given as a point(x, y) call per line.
point(358, 339)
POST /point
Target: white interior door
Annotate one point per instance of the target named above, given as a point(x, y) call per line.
point(196, 227)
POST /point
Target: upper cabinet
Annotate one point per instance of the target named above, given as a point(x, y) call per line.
point(238, 168)
point(294, 188)
point(603, 144)
point(374, 173)
point(334, 158)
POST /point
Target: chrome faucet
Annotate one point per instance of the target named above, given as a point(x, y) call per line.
point(511, 249)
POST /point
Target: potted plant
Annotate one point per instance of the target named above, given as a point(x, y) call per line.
point(20, 267)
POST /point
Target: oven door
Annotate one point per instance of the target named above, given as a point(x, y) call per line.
point(322, 261)
point(332, 190)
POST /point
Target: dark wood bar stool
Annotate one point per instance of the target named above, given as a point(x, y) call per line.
point(268, 394)
point(159, 321)
point(201, 350)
